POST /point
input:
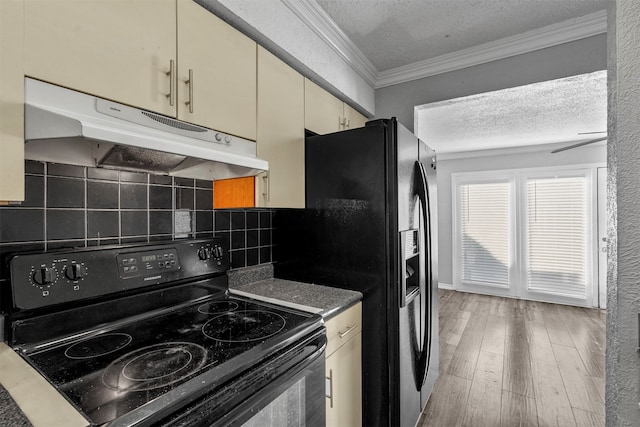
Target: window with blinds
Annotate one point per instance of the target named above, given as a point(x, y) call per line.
point(556, 235)
point(525, 233)
point(484, 212)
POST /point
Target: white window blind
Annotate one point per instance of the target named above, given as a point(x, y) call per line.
point(484, 210)
point(556, 235)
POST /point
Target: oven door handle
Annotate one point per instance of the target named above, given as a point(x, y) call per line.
point(282, 370)
point(298, 367)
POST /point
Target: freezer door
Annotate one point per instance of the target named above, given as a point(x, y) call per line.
point(409, 281)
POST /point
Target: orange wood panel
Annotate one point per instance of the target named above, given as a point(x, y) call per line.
point(234, 193)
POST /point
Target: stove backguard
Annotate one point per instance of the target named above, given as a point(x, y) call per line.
point(57, 293)
point(52, 278)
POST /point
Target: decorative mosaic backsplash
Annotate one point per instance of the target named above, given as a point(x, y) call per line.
point(74, 206)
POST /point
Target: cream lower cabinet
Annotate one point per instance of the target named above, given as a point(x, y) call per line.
point(11, 102)
point(344, 369)
point(280, 133)
point(324, 113)
point(116, 49)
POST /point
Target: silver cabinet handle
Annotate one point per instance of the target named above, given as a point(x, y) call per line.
point(190, 83)
point(267, 184)
point(172, 71)
point(347, 123)
point(329, 386)
point(347, 331)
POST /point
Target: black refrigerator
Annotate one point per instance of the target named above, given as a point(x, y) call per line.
point(370, 225)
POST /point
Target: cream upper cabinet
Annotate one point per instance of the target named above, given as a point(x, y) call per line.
point(343, 367)
point(11, 100)
point(216, 73)
point(116, 49)
point(169, 56)
point(353, 118)
point(280, 133)
point(323, 112)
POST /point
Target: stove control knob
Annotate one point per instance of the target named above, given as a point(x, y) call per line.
point(75, 271)
point(217, 252)
point(203, 254)
point(44, 276)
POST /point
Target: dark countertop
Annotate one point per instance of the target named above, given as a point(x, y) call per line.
point(28, 399)
point(258, 282)
point(10, 413)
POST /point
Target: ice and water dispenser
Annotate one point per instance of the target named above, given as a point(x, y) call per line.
point(410, 265)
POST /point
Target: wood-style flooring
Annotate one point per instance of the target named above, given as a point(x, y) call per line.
point(509, 362)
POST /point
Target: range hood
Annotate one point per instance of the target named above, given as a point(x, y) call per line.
point(65, 126)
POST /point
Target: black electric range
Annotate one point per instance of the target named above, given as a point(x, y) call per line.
point(140, 335)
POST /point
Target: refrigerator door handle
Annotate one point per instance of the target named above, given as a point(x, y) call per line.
point(423, 194)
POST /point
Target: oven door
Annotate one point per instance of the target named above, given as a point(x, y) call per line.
point(288, 390)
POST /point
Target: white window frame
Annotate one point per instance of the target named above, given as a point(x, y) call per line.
point(591, 274)
point(517, 234)
point(483, 178)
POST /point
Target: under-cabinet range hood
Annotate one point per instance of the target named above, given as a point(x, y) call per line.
point(65, 126)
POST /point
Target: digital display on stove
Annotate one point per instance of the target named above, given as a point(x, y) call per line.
point(141, 264)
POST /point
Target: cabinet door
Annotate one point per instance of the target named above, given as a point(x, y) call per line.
point(280, 132)
point(344, 385)
point(353, 118)
point(322, 111)
point(115, 49)
point(11, 102)
point(216, 73)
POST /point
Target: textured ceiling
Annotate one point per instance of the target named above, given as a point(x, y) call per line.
point(546, 112)
point(393, 33)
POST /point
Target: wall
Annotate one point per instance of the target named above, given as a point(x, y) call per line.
point(73, 206)
point(623, 364)
point(578, 57)
point(495, 160)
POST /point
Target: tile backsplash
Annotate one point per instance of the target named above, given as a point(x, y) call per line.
point(75, 206)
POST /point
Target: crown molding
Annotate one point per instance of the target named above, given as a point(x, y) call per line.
point(551, 35)
point(311, 14)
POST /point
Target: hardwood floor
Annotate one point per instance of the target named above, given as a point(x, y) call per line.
point(508, 362)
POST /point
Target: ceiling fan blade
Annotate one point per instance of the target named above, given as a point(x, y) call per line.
point(579, 144)
point(591, 133)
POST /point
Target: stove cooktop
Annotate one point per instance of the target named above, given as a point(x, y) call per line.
point(138, 334)
point(114, 371)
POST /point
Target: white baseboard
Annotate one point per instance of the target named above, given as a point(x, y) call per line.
point(445, 286)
